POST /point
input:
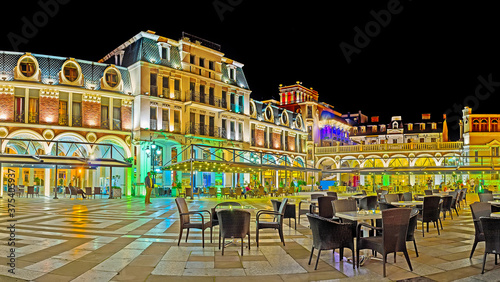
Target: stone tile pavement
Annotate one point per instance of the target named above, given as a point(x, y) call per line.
point(123, 239)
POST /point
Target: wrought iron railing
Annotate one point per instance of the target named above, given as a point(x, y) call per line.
point(206, 130)
point(105, 124)
point(76, 120)
point(117, 124)
point(32, 117)
point(63, 120)
point(19, 117)
point(153, 124)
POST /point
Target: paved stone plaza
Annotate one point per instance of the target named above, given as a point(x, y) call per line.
point(122, 239)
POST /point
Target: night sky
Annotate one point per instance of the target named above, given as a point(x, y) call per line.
point(405, 57)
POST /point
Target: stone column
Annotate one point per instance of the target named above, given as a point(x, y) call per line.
point(47, 182)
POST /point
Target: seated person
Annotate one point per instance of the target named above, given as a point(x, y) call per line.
point(78, 191)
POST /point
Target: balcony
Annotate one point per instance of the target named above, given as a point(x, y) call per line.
point(206, 130)
point(207, 99)
point(390, 147)
point(153, 124)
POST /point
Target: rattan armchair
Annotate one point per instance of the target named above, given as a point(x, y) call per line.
point(430, 213)
point(491, 229)
point(446, 206)
point(478, 210)
point(389, 198)
point(185, 221)
point(412, 226)
point(325, 208)
point(408, 196)
point(395, 224)
point(485, 197)
point(88, 192)
point(330, 235)
point(368, 203)
point(234, 224)
point(289, 212)
point(97, 191)
point(428, 192)
point(278, 224)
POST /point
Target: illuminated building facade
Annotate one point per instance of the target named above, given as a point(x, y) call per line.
point(70, 104)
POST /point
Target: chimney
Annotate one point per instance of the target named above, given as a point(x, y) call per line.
point(426, 116)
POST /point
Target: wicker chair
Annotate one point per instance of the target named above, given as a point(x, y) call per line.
point(212, 192)
point(313, 207)
point(330, 235)
point(234, 224)
point(238, 192)
point(454, 204)
point(31, 191)
point(484, 198)
point(73, 191)
point(186, 223)
point(279, 192)
point(289, 212)
point(88, 192)
point(430, 213)
point(446, 206)
point(389, 198)
point(325, 206)
point(302, 211)
point(478, 210)
point(332, 194)
point(491, 229)
point(407, 196)
point(412, 225)
point(67, 191)
point(97, 191)
point(460, 195)
point(395, 224)
point(368, 203)
point(274, 224)
point(428, 192)
point(215, 219)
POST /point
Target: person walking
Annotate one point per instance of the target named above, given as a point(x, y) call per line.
point(149, 182)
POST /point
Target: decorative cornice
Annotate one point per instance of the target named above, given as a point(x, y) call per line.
point(7, 89)
point(94, 98)
point(49, 93)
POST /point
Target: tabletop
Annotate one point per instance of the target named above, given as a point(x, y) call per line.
point(246, 208)
point(360, 215)
point(496, 202)
point(495, 214)
point(407, 203)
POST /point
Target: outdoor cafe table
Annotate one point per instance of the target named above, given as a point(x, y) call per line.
point(407, 203)
point(496, 202)
point(495, 214)
point(360, 215)
point(245, 208)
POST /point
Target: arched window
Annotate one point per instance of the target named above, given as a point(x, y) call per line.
point(484, 125)
point(494, 126)
point(475, 125)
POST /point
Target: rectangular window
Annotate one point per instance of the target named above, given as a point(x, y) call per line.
point(192, 59)
point(33, 110)
point(117, 118)
point(177, 121)
point(211, 65)
point(177, 85)
point(166, 87)
point(63, 112)
point(153, 84)
point(211, 126)
point(104, 117)
point(240, 131)
point(202, 62)
point(232, 131)
point(223, 128)
point(211, 96)
point(153, 125)
point(19, 109)
point(202, 125)
point(77, 114)
point(223, 99)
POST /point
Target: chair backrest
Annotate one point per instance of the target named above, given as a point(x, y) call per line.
point(435, 190)
point(487, 191)
point(485, 197)
point(31, 189)
point(316, 196)
point(447, 202)
point(430, 208)
point(234, 223)
point(385, 192)
point(332, 194)
point(238, 190)
point(407, 196)
point(325, 206)
point(478, 210)
point(66, 190)
point(261, 191)
point(344, 205)
point(211, 190)
point(395, 228)
point(188, 191)
point(363, 192)
point(428, 192)
point(412, 225)
point(327, 234)
point(491, 229)
point(88, 190)
point(182, 208)
point(368, 203)
point(97, 190)
point(389, 198)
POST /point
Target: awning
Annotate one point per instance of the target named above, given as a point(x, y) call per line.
point(236, 167)
point(46, 161)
